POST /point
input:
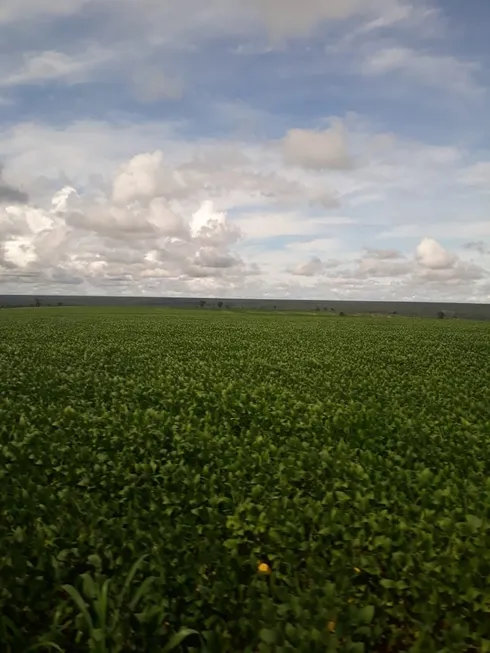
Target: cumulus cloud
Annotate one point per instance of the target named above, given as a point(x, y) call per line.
point(227, 218)
point(244, 179)
point(432, 255)
point(461, 272)
point(390, 279)
point(311, 268)
point(437, 265)
point(228, 195)
point(151, 230)
point(211, 257)
point(19, 252)
point(431, 264)
point(317, 150)
point(315, 266)
point(142, 178)
point(129, 237)
point(212, 227)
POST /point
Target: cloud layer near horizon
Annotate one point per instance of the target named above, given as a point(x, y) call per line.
point(260, 149)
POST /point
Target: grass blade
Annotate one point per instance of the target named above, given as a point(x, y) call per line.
point(80, 603)
point(142, 589)
point(178, 638)
point(129, 578)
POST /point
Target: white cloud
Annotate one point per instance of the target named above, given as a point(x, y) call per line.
point(210, 257)
point(440, 71)
point(205, 216)
point(19, 251)
point(212, 227)
point(143, 177)
point(477, 175)
point(10, 193)
point(413, 14)
point(457, 230)
point(432, 255)
point(165, 220)
point(318, 150)
point(280, 19)
point(232, 173)
point(80, 239)
point(289, 18)
point(313, 267)
point(309, 269)
point(80, 150)
point(375, 267)
point(453, 275)
point(280, 198)
point(268, 224)
point(142, 210)
point(50, 65)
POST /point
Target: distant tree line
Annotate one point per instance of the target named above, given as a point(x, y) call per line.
point(36, 304)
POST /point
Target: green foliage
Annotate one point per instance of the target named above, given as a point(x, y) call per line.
point(151, 461)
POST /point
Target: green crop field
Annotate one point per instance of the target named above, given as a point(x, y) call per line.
point(236, 482)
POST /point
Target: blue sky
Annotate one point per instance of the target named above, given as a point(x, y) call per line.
point(325, 149)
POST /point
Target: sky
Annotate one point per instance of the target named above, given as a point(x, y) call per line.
point(322, 149)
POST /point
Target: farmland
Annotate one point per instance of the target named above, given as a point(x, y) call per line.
point(243, 482)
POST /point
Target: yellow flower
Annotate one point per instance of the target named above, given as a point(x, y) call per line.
point(331, 626)
point(264, 568)
point(357, 570)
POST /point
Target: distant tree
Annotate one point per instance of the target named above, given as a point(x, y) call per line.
point(342, 314)
point(227, 307)
point(325, 308)
point(333, 310)
point(394, 313)
point(274, 307)
point(440, 315)
point(60, 303)
point(202, 303)
point(37, 302)
point(220, 304)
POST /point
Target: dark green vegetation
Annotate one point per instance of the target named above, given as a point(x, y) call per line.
point(348, 307)
point(150, 460)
